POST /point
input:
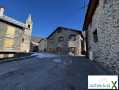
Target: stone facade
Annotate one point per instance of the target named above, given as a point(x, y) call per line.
point(103, 34)
point(15, 36)
point(25, 46)
point(43, 45)
point(65, 41)
point(35, 43)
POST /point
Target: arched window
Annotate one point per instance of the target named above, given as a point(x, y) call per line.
point(22, 40)
point(72, 37)
point(29, 26)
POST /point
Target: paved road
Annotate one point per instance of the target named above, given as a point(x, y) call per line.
point(48, 72)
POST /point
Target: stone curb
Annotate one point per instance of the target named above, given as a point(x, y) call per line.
point(16, 59)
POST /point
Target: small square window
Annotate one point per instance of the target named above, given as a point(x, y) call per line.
point(60, 39)
point(22, 40)
point(72, 37)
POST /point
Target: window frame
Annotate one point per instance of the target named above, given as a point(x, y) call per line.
point(59, 39)
point(70, 37)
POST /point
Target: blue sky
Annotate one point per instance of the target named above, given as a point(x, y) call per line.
point(47, 14)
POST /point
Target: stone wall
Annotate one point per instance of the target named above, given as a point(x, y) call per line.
point(43, 45)
point(10, 37)
point(54, 44)
point(106, 22)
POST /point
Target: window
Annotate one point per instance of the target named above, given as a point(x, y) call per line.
point(72, 49)
point(22, 40)
point(95, 36)
point(72, 37)
point(29, 26)
point(61, 38)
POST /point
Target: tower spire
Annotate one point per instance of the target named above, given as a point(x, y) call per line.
point(29, 21)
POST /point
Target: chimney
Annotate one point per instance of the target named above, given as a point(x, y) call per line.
point(1, 11)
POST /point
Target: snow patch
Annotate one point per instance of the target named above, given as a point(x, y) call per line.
point(44, 55)
point(68, 62)
point(57, 60)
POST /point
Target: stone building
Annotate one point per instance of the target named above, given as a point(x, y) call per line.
point(65, 41)
point(35, 43)
point(102, 32)
point(43, 45)
point(15, 36)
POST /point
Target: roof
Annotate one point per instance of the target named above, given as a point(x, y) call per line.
point(90, 12)
point(42, 40)
point(64, 28)
point(36, 39)
point(12, 21)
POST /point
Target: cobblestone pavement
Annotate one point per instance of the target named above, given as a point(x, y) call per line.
point(48, 73)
